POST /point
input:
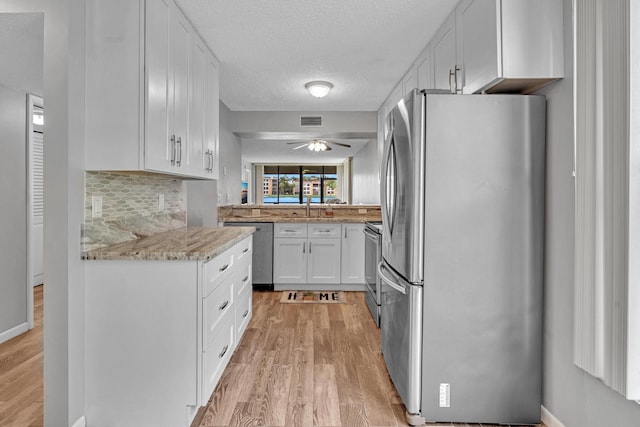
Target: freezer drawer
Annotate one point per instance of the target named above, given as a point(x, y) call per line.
point(401, 330)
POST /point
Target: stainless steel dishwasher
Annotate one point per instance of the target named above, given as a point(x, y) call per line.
point(262, 260)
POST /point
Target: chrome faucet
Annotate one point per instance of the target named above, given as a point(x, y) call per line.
point(308, 206)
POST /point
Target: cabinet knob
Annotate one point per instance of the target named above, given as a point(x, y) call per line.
point(245, 313)
point(223, 268)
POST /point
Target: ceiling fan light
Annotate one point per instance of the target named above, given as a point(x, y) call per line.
point(318, 89)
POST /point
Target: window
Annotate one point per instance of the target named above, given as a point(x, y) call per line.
point(294, 184)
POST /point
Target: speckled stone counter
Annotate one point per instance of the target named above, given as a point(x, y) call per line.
point(298, 213)
point(182, 244)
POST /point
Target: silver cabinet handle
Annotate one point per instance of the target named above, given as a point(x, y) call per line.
point(245, 278)
point(245, 313)
point(303, 245)
point(179, 156)
point(223, 268)
point(345, 232)
point(224, 350)
point(246, 249)
point(173, 149)
point(288, 230)
point(223, 305)
point(309, 247)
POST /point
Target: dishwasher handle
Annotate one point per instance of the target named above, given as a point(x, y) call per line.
point(397, 286)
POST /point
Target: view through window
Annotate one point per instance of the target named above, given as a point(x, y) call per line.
point(294, 184)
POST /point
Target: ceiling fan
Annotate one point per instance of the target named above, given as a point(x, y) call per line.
point(318, 145)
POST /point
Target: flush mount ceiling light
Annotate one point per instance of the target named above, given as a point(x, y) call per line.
point(318, 88)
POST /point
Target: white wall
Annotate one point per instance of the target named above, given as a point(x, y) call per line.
point(13, 214)
point(364, 168)
point(574, 397)
point(230, 159)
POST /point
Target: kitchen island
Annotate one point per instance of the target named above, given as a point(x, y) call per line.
point(163, 315)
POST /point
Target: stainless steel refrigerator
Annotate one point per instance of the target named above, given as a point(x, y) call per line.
point(462, 248)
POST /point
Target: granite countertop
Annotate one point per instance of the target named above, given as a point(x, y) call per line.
point(294, 218)
point(182, 244)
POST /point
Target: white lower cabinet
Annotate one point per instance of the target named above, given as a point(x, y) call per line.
point(352, 253)
point(319, 256)
point(160, 333)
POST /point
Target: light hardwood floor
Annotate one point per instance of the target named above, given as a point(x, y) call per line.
point(21, 385)
point(307, 365)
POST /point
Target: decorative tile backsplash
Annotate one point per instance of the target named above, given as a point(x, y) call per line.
point(130, 207)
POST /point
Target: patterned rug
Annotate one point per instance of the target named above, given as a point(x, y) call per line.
point(313, 297)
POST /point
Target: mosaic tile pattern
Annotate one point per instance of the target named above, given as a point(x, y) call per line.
point(130, 207)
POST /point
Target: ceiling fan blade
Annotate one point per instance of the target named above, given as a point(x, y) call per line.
point(297, 142)
point(300, 146)
point(339, 143)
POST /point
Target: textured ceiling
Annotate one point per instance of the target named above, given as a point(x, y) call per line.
point(269, 49)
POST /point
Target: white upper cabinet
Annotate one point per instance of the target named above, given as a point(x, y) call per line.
point(512, 46)
point(150, 99)
point(410, 81)
point(445, 69)
point(424, 69)
point(204, 112)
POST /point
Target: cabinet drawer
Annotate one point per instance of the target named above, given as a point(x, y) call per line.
point(214, 271)
point(290, 230)
point(244, 249)
point(214, 309)
point(325, 230)
point(243, 313)
point(244, 278)
point(215, 359)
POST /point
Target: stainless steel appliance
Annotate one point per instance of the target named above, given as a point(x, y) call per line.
point(262, 258)
point(462, 248)
point(372, 257)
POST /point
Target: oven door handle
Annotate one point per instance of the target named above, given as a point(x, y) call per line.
point(398, 287)
point(371, 234)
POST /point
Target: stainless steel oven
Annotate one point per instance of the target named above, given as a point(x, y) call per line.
point(372, 256)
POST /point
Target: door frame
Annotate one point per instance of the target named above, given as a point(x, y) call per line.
point(33, 101)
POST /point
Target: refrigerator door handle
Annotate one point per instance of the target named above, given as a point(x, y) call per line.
point(398, 287)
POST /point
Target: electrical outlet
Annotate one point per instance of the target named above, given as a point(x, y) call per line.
point(362, 211)
point(445, 395)
point(228, 197)
point(219, 197)
point(96, 206)
point(160, 202)
point(255, 212)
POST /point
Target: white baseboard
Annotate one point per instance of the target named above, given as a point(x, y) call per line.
point(14, 332)
point(81, 422)
point(549, 420)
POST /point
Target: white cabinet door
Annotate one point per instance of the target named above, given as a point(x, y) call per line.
point(211, 115)
point(410, 81)
point(290, 260)
point(424, 70)
point(159, 147)
point(179, 52)
point(352, 253)
point(198, 160)
point(323, 260)
point(513, 46)
point(444, 53)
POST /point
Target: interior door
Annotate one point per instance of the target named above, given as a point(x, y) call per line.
point(36, 194)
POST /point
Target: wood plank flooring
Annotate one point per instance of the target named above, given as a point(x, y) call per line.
point(21, 377)
point(307, 365)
